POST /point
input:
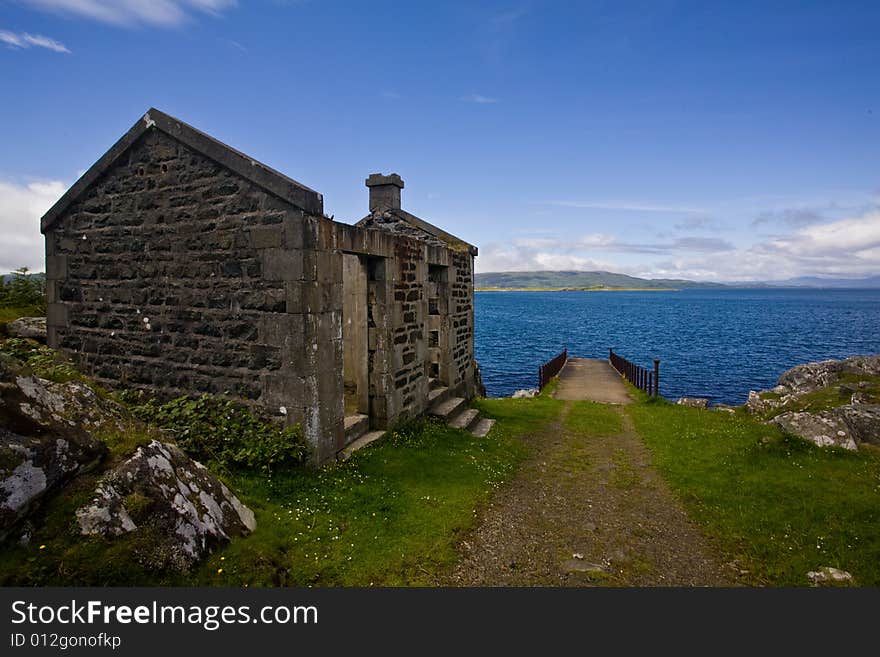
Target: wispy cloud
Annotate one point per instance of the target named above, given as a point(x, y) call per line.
point(25, 40)
point(21, 206)
point(479, 99)
point(510, 16)
point(605, 242)
point(163, 13)
point(627, 206)
point(236, 45)
point(790, 217)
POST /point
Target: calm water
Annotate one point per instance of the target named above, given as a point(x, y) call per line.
point(712, 343)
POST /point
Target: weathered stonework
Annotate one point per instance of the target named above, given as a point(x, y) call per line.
point(179, 266)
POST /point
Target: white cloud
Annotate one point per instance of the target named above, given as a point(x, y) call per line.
point(164, 13)
point(21, 206)
point(479, 99)
point(846, 248)
point(25, 40)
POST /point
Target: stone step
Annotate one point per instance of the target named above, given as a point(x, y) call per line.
point(447, 409)
point(355, 426)
point(483, 427)
point(465, 420)
point(437, 396)
point(360, 443)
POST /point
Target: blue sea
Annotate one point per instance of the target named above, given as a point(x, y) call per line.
point(717, 344)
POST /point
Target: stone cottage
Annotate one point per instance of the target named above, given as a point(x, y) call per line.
point(180, 266)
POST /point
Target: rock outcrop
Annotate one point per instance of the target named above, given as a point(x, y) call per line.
point(843, 414)
point(823, 429)
point(33, 328)
point(161, 489)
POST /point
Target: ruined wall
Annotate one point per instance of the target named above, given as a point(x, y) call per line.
point(174, 275)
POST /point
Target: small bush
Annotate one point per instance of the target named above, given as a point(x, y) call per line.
point(224, 434)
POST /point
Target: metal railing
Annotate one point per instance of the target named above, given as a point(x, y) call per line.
point(551, 368)
point(641, 378)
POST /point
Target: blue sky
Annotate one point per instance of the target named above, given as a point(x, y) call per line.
point(722, 141)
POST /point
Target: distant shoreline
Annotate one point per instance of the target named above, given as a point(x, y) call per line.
point(576, 289)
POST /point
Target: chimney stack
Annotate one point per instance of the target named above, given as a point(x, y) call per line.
point(384, 191)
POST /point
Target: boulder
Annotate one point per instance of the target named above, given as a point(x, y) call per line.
point(693, 402)
point(828, 576)
point(40, 448)
point(163, 491)
point(28, 327)
point(862, 420)
point(525, 394)
point(824, 429)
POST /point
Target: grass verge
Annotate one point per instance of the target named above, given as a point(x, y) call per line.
point(780, 506)
point(391, 515)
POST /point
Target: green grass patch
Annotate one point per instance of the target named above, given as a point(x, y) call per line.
point(593, 419)
point(391, 515)
point(10, 314)
point(778, 505)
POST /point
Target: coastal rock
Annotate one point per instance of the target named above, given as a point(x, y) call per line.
point(862, 420)
point(28, 327)
point(823, 429)
point(828, 576)
point(805, 378)
point(759, 404)
point(693, 402)
point(163, 491)
point(525, 394)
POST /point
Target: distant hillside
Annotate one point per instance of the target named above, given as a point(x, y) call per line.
point(580, 279)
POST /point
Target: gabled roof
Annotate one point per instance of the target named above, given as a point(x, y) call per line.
point(256, 172)
point(423, 226)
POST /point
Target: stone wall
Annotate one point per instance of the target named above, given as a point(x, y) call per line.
point(174, 275)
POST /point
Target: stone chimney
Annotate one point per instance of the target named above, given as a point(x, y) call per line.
point(384, 191)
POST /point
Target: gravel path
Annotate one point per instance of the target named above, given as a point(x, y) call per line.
point(586, 511)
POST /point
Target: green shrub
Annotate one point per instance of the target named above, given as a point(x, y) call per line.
point(224, 433)
point(23, 290)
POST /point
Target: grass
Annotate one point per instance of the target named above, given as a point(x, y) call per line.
point(392, 515)
point(778, 505)
point(9, 314)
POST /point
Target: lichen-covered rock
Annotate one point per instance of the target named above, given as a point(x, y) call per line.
point(813, 376)
point(693, 402)
point(828, 576)
point(863, 421)
point(40, 449)
point(28, 327)
point(824, 429)
point(161, 489)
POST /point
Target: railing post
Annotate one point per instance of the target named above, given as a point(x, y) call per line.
point(656, 377)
